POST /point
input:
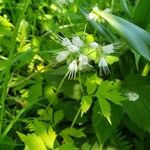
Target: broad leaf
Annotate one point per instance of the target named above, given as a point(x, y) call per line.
point(103, 129)
point(138, 110)
point(135, 36)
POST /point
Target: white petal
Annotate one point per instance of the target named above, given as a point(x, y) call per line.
point(83, 59)
point(62, 56)
point(103, 65)
point(66, 42)
point(73, 48)
point(92, 16)
point(77, 41)
point(94, 45)
point(108, 49)
point(72, 70)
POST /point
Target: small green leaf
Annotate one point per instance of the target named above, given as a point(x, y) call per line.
point(105, 107)
point(91, 83)
point(86, 102)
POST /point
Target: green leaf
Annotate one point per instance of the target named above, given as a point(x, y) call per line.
point(91, 83)
point(135, 36)
point(103, 129)
point(48, 136)
point(67, 146)
point(86, 102)
point(138, 110)
point(111, 91)
point(72, 132)
point(125, 6)
point(58, 116)
point(32, 142)
point(141, 13)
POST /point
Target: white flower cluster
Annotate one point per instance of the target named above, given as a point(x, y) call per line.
point(81, 61)
point(105, 50)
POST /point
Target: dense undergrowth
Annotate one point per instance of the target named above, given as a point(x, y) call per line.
point(74, 74)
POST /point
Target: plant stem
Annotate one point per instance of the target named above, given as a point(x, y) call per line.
point(75, 118)
point(61, 83)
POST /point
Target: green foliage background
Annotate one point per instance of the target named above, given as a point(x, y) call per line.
point(42, 110)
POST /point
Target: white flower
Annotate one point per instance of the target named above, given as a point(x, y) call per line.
point(103, 65)
point(72, 70)
point(62, 56)
point(83, 62)
point(66, 42)
point(83, 59)
point(94, 45)
point(77, 41)
point(73, 48)
point(132, 96)
point(107, 10)
point(108, 49)
point(92, 16)
point(95, 8)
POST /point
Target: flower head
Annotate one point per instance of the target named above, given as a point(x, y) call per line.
point(95, 8)
point(107, 10)
point(62, 56)
point(92, 16)
point(103, 65)
point(77, 41)
point(94, 45)
point(73, 48)
point(132, 96)
point(108, 49)
point(66, 42)
point(83, 62)
point(72, 70)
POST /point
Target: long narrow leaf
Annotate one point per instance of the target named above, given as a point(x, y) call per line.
point(136, 37)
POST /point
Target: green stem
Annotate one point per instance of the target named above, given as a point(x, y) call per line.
point(14, 120)
point(75, 118)
point(8, 65)
point(112, 5)
point(61, 83)
point(80, 82)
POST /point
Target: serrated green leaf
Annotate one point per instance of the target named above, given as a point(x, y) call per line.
point(105, 107)
point(86, 102)
point(32, 142)
point(48, 137)
point(110, 91)
point(91, 83)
